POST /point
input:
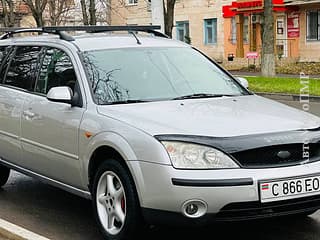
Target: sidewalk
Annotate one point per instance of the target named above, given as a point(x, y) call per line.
point(253, 74)
point(9, 231)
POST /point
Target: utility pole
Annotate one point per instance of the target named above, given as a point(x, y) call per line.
point(157, 13)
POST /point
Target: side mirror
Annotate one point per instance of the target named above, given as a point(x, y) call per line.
point(60, 94)
point(243, 82)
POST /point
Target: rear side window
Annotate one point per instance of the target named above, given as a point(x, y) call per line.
point(5, 55)
point(2, 54)
point(23, 66)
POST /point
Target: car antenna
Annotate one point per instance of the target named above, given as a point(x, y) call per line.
point(135, 36)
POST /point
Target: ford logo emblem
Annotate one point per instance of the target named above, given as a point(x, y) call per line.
point(284, 154)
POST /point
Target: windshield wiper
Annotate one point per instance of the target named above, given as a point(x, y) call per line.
point(202, 95)
point(127, 101)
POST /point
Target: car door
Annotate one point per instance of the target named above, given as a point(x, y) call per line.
point(50, 130)
point(16, 77)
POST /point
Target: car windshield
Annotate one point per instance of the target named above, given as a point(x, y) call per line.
point(134, 75)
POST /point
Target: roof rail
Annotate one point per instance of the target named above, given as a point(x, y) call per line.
point(60, 30)
point(9, 32)
point(95, 29)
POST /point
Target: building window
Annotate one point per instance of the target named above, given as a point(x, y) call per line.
point(245, 30)
point(183, 31)
point(210, 31)
point(233, 30)
point(313, 25)
point(132, 2)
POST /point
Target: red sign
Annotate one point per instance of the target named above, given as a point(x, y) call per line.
point(293, 25)
point(247, 7)
point(253, 4)
point(228, 12)
point(252, 55)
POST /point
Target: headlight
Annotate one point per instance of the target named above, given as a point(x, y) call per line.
point(193, 156)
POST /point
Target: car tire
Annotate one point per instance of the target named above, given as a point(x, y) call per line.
point(115, 202)
point(4, 175)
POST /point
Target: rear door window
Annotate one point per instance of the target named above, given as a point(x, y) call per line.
point(23, 67)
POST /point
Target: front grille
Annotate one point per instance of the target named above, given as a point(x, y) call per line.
point(269, 156)
point(256, 210)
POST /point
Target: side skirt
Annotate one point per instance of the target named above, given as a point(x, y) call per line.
point(55, 183)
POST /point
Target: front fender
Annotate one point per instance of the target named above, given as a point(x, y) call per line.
point(109, 139)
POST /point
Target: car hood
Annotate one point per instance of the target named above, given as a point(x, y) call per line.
point(216, 117)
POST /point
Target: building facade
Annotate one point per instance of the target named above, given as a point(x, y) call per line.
point(243, 27)
point(296, 29)
point(198, 22)
point(304, 18)
point(226, 29)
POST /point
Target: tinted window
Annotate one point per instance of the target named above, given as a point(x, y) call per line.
point(5, 56)
point(21, 72)
point(2, 53)
point(56, 70)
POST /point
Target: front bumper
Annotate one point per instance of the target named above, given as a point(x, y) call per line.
point(237, 212)
point(230, 194)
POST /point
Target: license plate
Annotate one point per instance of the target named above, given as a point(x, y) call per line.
point(277, 190)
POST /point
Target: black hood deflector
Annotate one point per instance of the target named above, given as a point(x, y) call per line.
point(247, 142)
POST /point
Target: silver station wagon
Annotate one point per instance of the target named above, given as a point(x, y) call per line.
point(150, 129)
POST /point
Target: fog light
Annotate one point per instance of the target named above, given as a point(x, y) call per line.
point(191, 209)
point(194, 208)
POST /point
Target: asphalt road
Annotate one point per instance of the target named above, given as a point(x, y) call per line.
point(314, 107)
point(59, 215)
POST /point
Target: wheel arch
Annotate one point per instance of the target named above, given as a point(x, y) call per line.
point(100, 155)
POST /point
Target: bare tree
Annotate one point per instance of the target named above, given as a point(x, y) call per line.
point(84, 12)
point(89, 18)
point(94, 11)
point(268, 41)
point(168, 11)
point(8, 12)
point(168, 16)
point(58, 11)
point(37, 7)
point(104, 11)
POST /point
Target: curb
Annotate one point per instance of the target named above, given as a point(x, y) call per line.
point(14, 232)
point(288, 97)
point(278, 75)
point(281, 76)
